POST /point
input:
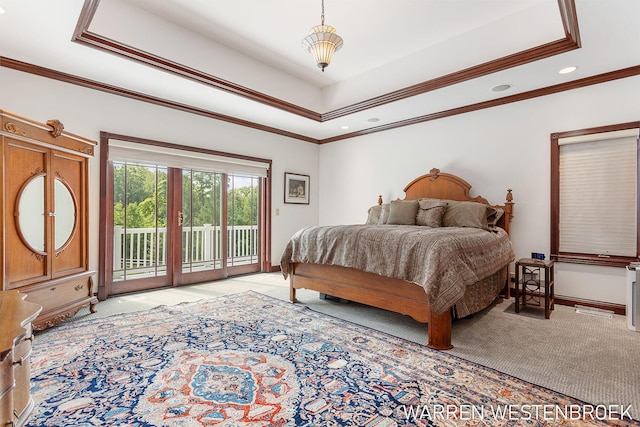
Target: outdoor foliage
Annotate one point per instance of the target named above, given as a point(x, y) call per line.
point(140, 194)
point(201, 197)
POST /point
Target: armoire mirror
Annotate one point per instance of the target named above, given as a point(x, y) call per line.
point(65, 214)
point(30, 220)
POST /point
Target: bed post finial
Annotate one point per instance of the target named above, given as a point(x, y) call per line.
point(509, 208)
point(434, 173)
point(380, 200)
point(509, 196)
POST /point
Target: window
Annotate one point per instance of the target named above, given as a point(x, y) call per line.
point(594, 193)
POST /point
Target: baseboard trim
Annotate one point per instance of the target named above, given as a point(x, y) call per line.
point(572, 302)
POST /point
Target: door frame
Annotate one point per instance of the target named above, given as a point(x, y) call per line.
point(106, 286)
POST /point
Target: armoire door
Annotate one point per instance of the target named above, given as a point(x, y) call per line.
point(26, 214)
point(69, 206)
point(44, 192)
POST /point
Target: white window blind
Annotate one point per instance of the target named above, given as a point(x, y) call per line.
point(132, 152)
point(598, 182)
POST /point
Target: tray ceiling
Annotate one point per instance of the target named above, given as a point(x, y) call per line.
point(403, 62)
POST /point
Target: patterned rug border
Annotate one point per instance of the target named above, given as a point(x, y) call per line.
point(393, 340)
point(443, 352)
point(302, 307)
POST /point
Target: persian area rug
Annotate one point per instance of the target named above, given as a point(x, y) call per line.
point(252, 360)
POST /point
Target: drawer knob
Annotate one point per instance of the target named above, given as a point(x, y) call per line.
point(79, 287)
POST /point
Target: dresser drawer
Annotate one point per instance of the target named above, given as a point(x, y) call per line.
point(15, 364)
point(61, 293)
point(22, 350)
point(7, 385)
point(22, 375)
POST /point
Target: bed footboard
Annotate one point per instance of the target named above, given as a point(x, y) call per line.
point(390, 294)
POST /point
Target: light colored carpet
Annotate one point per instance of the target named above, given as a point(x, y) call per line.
point(591, 358)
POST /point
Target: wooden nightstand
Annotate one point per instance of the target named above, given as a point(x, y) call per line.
point(532, 287)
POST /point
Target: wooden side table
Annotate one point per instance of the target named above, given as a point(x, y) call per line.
point(529, 283)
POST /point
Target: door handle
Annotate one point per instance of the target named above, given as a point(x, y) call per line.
point(180, 218)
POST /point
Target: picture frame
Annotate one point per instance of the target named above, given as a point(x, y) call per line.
point(296, 188)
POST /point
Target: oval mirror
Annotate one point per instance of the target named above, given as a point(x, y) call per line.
point(65, 214)
point(30, 219)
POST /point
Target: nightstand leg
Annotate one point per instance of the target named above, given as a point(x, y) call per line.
point(547, 284)
point(517, 289)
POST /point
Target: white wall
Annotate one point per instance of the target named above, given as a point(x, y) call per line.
point(493, 149)
point(87, 112)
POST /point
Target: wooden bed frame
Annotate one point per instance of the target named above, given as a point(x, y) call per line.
point(393, 294)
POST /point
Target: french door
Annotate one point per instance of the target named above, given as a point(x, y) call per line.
point(175, 226)
point(220, 225)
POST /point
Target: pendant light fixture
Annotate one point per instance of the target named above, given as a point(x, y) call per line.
point(322, 42)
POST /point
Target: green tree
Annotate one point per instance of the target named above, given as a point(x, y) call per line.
point(202, 197)
point(145, 195)
point(243, 206)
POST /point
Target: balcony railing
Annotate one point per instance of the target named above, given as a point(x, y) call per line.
point(141, 251)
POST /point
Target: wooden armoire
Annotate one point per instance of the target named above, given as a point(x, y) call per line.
point(44, 204)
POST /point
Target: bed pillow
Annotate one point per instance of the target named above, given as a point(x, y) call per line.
point(373, 215)
point(493, 219)
point(403, 212)
point(430, 212)
point(384, 214)
point(468, 214)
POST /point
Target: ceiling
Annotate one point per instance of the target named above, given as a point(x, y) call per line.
point(403, 61)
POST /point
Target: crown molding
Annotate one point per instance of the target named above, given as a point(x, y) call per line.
point(84, 36)
point(549, 90)
point(571, 41)
point(116, 90)
point(103, 87)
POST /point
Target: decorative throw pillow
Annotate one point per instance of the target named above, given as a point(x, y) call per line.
point(493, 218)
point(430, 212)
point(403, 212)
point(384, 214)
point(373, 215)
point(467, 214)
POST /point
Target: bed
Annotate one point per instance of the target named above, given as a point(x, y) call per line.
point(381, 263)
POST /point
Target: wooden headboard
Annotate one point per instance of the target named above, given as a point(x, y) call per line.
point(439, 185)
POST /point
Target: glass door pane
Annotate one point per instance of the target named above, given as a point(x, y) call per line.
point(242, 221)
point(202, 245)
point(139, 221)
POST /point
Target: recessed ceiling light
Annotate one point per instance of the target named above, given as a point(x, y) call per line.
point(373, 119)
point(344, 127)
point(567, 70)
point(500, 88)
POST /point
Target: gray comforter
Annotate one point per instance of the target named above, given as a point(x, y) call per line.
point(444, 261)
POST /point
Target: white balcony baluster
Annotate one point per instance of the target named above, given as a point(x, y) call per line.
point(137, 252)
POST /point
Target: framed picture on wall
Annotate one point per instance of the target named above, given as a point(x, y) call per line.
point(296, 188)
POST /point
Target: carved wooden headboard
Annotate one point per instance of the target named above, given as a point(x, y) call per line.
point(439, 185)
